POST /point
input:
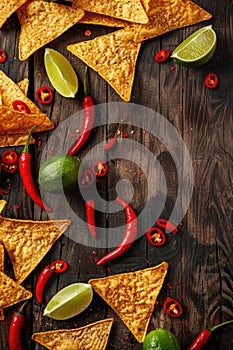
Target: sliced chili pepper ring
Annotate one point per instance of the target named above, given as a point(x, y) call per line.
point(20, 106)
point(155, 236)
point(172, 307)
point(3, 56)
point(167, 225)
point(86, 179)
point(100, 168)
point(162, 55)
point(211, 81)
point(44, 95)
point(9, 168)
point(10, 157)
point(59, 266)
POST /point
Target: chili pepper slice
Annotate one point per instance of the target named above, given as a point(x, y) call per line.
point(44, 95)
point(57, 266)
point(10, 157)
point(202, 339)
point(90, 213)
point(20, 106)
point(86, 179)
point(129, 236)
point(3, 56)
point(16, 325)
point(162, 55)
point(172, 307)
point(100, 168)
point(211, 81)
point(167, 225)
point(155, 236)
point(110, 144)
point(26, 174)
point(88, 121)
point(9, 168)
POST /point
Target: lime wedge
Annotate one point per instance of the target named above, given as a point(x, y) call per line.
point(61, 73)
point(69, 301)
point(197, 49)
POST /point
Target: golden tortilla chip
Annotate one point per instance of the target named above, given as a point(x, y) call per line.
point(132, 296)
point(11, 292)
point(14, 140)
point(2, 270)
point(113, 56)
point(91, 337)
point(23, 85)
point(168, 15)
point(27, 242)
point(132, 11)
point(2, 205)
point(42, 22)
point(102, 20)
point(7, 8)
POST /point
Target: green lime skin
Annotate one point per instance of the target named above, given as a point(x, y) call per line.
point(59, 173)
point(161, 339)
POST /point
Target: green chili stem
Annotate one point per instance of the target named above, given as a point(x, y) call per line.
point(20, 311)
point(85, 81)
point(212, 329)
point(26, 147)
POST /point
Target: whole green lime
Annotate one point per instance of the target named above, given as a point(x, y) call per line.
point(59, 172)
point(161, 339)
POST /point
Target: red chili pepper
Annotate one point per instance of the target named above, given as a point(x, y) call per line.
point(16, 325)
point(172, 307)
point(129, 236)
point(100, 168)
point(88, 121)
point(57, 266)
point(90, 213)
point(86, 179)
point(167, 225)
point(3, 56)
point(26, 175)
point(44, 95)
point(111, 143)
point(203, 338)
point(155, 236)
point(20, 106)
point(9, 169)
point(162, 55)
point(211, 81)
point(10, 157)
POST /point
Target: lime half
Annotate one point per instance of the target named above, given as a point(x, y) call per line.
point(161, 339)
point(61, 73)
point(197, 49)
point(69, 301)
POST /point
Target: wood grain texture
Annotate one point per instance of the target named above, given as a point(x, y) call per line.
point(200, 255)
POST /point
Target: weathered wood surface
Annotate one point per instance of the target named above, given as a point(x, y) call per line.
point(200, 257)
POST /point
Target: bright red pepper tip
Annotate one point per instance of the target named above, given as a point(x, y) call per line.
point(162, 55)
point(172, 307)
point(44, 95)
point(3, 56)
point(155, 236)
point(211, 81)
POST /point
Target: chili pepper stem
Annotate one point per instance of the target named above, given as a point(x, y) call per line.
point(212, 329)
point(26, 147)
point(21, 309)
point(85, 81)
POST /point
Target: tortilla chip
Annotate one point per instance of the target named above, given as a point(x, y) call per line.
point(91, 337)
point(27, 242)
point(23, 85)
point(42, 22)
point(2, 270)
point(132, 296)
point(127, 10)
point(113, 56)
point(14, 140)
point(168, 15)
point(2, 205)
point(11, 291)
point(7, 8)
point(98, 19)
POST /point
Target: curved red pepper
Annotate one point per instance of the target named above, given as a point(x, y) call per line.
point(162, 55)
point(20, 106)
point(16, 325)
point(172, 307)
point(3, 56)
point(129, 236)
point(57, 266)
point(88, 121)
point(167, 225)
point(111, 143)
point(90, 213)
point(44, 95)
point(155, 236)
point(100, 168)
point(211, 81)
point(10, 157)
point(26, 175)
point(86, 178)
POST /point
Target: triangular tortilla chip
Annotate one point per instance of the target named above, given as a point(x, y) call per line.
point(27, 242)
point(102, 20)
point(7, 8)
point(113, 56)
point(14, 140)
point(42, 22)
point(132, 11)
point(11, 292)
point(2, 205)
point(132, 296)
point(91, 337)
point(1, 270)
point(168, 15)
point(23, 85)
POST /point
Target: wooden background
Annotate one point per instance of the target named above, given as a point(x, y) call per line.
point(200, 256)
